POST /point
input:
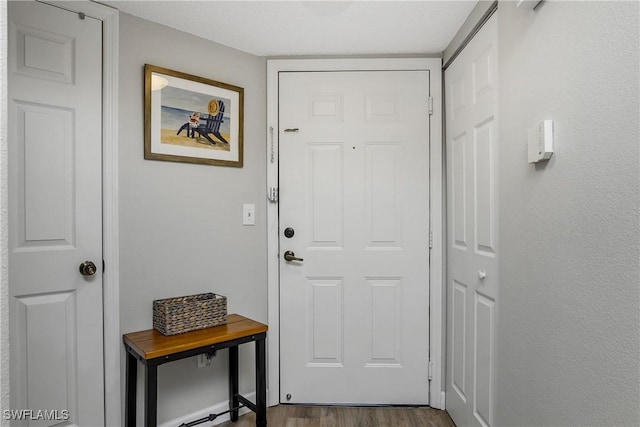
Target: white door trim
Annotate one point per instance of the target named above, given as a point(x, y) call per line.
point(4, 219)
point(434, 66)
point(111, 285)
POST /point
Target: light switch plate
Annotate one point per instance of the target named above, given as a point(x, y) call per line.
point(248, 214)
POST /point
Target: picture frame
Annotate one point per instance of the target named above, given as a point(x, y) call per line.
point(192, 119)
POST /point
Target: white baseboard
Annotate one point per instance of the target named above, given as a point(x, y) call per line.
point(215, 409)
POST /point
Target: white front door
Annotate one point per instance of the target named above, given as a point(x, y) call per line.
point(55, 214)
point(472, 250)
point(354, 205)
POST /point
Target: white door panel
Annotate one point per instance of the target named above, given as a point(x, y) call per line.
point(55, 212)
point(471, 90)
point(354, 182)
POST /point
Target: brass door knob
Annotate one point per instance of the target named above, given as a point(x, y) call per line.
point(88, 268)
point(290, 256)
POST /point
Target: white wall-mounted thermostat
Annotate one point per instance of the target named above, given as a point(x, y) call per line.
point(541, 141)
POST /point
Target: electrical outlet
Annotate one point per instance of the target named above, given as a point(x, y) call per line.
point(204, 359)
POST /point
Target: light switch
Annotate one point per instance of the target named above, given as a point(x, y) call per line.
point(248, 214)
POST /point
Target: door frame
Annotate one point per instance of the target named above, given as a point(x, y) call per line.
point(437, 323)
point(111, 285)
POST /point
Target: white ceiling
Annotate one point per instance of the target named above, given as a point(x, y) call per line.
point(277, 28)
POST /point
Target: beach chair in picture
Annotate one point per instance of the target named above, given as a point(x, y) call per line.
point(211, 124)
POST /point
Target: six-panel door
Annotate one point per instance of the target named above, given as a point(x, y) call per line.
point(55, 213)
point(472, 252)
point(354, 186)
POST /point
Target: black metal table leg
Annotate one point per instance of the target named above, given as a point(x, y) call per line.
point(131, 384)
point(233, 383)
point(261, 383)
point(151, 396)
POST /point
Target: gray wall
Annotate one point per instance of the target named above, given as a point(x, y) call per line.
point(568, 335)
point(181, 224)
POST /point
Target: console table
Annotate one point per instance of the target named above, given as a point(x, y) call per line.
point(152, 349)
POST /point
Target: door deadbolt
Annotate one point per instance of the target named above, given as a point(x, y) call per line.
point(289, 232)
point(88, 268)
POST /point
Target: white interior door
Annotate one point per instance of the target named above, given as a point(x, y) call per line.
point(354, 189)
point(55, 214)
point(472, 257)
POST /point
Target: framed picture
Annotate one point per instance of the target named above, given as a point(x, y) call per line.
point(192, 119)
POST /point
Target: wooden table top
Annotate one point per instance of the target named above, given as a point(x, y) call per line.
point(151, 344)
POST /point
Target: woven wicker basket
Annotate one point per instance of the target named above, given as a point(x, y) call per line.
point(173, 316)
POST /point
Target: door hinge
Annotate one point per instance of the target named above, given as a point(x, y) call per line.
point(430, 239)
point(430, 104)
point(430, 370)
point(273, 195)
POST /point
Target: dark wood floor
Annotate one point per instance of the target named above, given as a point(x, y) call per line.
point(334, 416)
